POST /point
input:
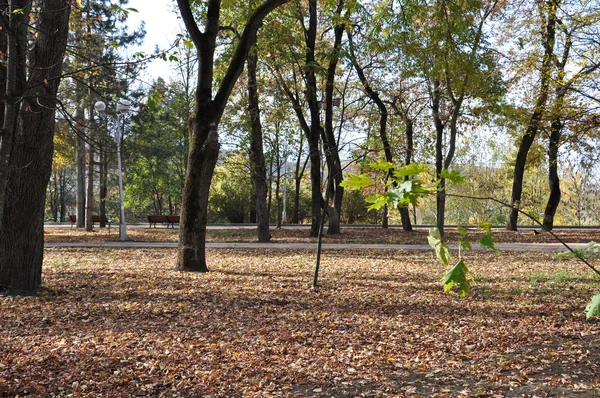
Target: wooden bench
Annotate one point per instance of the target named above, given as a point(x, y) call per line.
point(173, 220)
point(152, 220)
point(169, 220)
point(95, 219)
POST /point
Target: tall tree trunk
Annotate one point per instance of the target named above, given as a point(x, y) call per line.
point(89, 199)
point(548, 11)
point(22, 228)
point(404, 213)
point(62, 194)
point(440, 197)
point(80, 155)
point(103, 185)
point(203, 124)
point(310, 79)
point(383, 118)
point(13, 78)
point(556, 127)
point(553, 179)
point(298, 174)
point(257, 154)
point(270, 185)
point(332, 155)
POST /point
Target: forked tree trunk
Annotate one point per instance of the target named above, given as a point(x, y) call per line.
point(22, 228)
point(203, 124)
point(548, 12)
point(204, 153)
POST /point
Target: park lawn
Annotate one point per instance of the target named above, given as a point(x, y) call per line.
point(302, 235)
point(123, 322)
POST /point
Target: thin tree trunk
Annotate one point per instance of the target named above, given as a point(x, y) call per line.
point(298, 174)
point(81, 151)
point(89, 200)
point(548, 39)
point(103, 186)
point(62, 195)
point(257, 155)
point(332, 155)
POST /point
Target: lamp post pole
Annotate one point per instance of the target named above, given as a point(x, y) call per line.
point(122, 108)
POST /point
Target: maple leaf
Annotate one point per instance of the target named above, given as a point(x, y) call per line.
point(460, 275)
point(441, 249)
point(593, 307)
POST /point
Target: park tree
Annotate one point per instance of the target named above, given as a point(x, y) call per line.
point(156, 148)
point(547, 22)
point(573, 101)
point(34, 41)
point(458, 67)
point(97, 70)
point(210, 103)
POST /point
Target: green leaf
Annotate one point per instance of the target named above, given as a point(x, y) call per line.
point(593, 307)
point(132, 9)
point(377, 201)
point(188, 44)
point(460, 275)
point(453, 176)
point(353, 181)
point(173, 58)
point(461, 230)
point(437, 243)
point(486, 226)
point(487, 241)
point(381, 165)
point(465, 244)
point(409, 171)
point(18, 11)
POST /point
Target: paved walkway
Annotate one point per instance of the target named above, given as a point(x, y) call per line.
point(520, 247)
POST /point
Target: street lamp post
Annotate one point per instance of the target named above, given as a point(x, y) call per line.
point(122, 108)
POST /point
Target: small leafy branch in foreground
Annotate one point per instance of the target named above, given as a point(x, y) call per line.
point(405, 187)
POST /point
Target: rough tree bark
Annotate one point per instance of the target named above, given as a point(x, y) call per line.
point(203, 123)
point(21, 229)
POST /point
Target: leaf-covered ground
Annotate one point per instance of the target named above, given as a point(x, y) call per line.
point(124, 323)
point(299, 235)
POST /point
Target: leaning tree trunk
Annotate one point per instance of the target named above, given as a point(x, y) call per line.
point(548, 39)
point(383, 118)
point(332, 154)
point(22, 229)
point(257, 153)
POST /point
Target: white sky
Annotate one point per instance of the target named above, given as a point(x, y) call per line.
point(162, 27)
